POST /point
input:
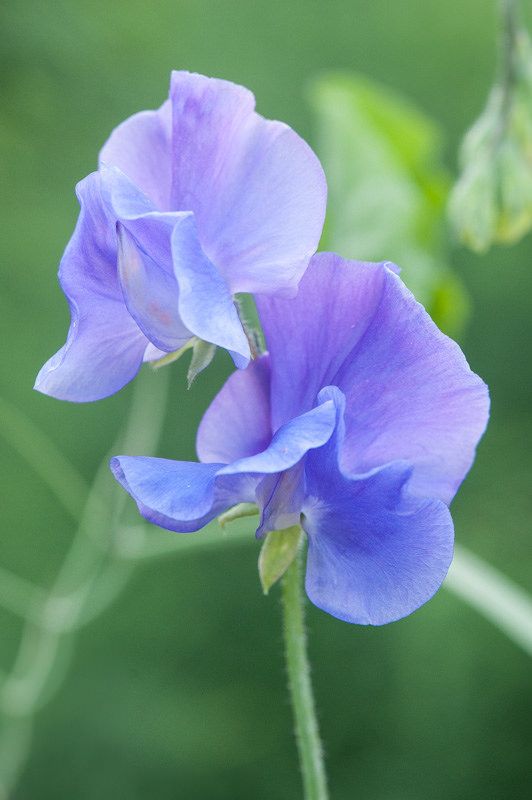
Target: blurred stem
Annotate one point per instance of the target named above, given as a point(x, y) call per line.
point(43, 457)
point(508, 56)
point(494, 595)
point(510, 28)
point(19, 595)
point(91, 575)
point(297, 664)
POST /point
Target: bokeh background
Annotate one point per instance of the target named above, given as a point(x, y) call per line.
point(178, 689)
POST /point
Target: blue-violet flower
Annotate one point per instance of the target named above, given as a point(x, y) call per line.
point(360, 424)
point(192, 203)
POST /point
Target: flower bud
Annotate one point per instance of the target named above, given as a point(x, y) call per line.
point(492, 200)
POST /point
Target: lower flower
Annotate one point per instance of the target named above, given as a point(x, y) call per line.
point(359, 425)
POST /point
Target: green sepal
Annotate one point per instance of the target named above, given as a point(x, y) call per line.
point(247, 312)
point(277, 553)
point(175, 355)
point(238, 511)
point(202, 355)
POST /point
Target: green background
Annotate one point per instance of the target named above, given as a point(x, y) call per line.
point(178, 690)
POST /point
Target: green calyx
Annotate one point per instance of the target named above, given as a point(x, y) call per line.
point(237, 512)
point(277, 553)
point(202, 355)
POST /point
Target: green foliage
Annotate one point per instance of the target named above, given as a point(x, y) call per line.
point(387, 187)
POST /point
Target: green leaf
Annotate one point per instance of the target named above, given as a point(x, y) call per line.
point(277, 553)
point(387, 184)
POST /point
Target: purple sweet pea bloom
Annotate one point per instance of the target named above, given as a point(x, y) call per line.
point(360, 423)
point(191, 204)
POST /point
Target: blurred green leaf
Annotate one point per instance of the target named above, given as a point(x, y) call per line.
point(387, 187)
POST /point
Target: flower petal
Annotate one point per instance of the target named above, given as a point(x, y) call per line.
point(198, 299)
point(374, 555)
point(281, 497)
point(291, 442)
point(206, 305)
point(311, 335)
point(184, 496)
point(151, 295)
point(153, 353)
point(104, 347)
point(177, 495)
point(410, 392)
point(237, 422)
point(136, 211)
point(256, 188)
point(376, 552)
point(141, 148)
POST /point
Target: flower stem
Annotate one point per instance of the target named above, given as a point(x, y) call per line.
point(297, 664)
point(509, 14)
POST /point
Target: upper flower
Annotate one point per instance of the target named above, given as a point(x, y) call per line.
point(191, 203)
point(360, 424)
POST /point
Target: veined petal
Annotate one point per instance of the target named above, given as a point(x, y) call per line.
point(177, 495)
point(206, 305)
point(376, 552)
point(151, 295)
point(183, 496)
point(136, 211)
point(256, 188)
point(104, 347)
point(291, 442)
point(311, 335)
point(237, 422)
point(281, 497)
point(410, 392)
point(376, 555)
point(141, 148)
point(198, 299)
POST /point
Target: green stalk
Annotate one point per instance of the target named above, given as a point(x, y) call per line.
point(302, 698)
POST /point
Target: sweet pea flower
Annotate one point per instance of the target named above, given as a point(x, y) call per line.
point(359, 424)
point(192, 203)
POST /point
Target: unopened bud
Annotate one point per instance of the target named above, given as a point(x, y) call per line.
point(492, 200)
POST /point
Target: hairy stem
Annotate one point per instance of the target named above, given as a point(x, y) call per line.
point(304, 710)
